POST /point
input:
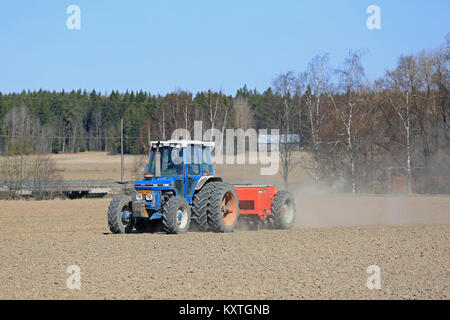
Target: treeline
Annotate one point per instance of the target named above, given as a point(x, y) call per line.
point(356, 130)
point(77, 121)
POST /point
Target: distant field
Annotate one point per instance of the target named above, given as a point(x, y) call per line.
point(99, 165)
point(94, 166)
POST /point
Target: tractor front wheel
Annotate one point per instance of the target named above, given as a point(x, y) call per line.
point(283, 210)
point(119, 215)
point(176, 216)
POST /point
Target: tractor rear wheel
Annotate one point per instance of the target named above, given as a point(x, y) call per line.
point(119, 215)
point(283, 210)
point(176, 216)
point(201, 205)
point(224, 207)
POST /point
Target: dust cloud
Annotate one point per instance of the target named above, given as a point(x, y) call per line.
point(326, 206)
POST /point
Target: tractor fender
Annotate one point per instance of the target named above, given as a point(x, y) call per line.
point(201, 182)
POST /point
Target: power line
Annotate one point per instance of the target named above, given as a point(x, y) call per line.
point(69, 137)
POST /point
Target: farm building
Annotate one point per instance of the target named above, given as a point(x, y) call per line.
point(293, 140)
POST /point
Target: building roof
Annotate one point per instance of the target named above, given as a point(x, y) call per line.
point(182, 143)
point(276, 138)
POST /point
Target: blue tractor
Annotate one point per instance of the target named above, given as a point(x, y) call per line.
point(179, 189)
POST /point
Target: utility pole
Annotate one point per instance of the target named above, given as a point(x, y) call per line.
point(121, 150)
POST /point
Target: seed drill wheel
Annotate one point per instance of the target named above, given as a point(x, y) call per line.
point(119, 215)
point(176, 216)
point(283, 210)
point(224, 206)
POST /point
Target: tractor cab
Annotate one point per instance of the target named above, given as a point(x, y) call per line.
point(175, 168)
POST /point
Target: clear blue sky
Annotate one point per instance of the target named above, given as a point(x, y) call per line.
point(159, 46)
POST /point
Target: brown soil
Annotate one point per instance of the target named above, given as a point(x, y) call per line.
point(39, 240)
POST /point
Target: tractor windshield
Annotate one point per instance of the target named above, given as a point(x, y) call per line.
point(172, 162)
point(166, 162)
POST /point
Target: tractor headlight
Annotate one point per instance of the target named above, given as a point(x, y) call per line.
point(138, 197)
point(149, 197)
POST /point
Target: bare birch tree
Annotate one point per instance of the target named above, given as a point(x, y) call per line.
point(218, 110)
point(404, 113)
point(317, 79)
point(284, 85)
point(403, 84)
point(349, 109)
